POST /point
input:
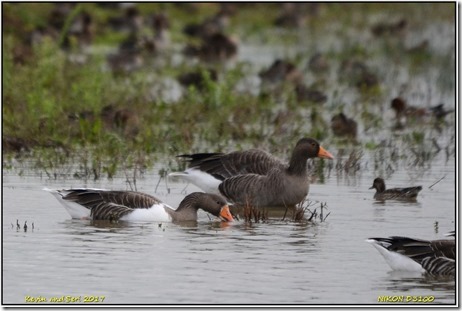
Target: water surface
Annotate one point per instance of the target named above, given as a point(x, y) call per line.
point(274, 262)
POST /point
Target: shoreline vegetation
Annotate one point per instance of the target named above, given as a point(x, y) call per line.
point(282, 72)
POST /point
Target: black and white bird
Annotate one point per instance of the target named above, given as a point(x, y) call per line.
point(100, 204)
point(435, 257)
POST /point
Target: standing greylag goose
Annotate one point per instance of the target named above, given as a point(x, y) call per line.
point(435, 257)
point(98, 204)
point(255, 177)
point(382, 194)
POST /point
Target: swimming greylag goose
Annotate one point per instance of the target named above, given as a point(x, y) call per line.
point(98, 204)
point(382, 194)
point(254, 177)
point(435, 257)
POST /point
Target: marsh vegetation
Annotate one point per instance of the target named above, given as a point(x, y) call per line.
point(298, 70)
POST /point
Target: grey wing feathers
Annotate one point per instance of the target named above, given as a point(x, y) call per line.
point(109, 211)
point(224, 166)
point(420, 249)
point(439, 265)
point(400, 193)
point(95, 198)
point(242, 188)
point(411, 191)
point(444, 248)
point(436, 257)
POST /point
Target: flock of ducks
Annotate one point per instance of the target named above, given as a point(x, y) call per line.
point(147, 36)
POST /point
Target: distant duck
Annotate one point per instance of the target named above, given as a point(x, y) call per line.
point(198, 79)
point(131, 43)
point(318, 63)
point(130, 21)
point(125, 61)
point(210, 26)
point(419, 48)
point(126, 122)
point(357, 73)
point(435, 257)
point(292, 15)
point(122, 120)
point(254, 177)
point(99, 204)
point(396, 28)
point(16, 144)
point(367, 80)
point(404, 111)
point(80, 32)
point(281, 71)
point(160, 40)
point(382, 194)
point(59, 14)
point(343, 126)
point(214, 48)
point(309, 94)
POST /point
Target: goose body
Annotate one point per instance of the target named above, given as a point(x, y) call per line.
point(254, 176)
point(382, 194)
point(435, 257)
point(101, 204)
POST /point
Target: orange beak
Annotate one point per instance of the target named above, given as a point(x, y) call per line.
point(323, 153)
point(225, 214)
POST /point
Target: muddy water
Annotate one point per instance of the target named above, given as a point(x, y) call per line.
point(276, 262)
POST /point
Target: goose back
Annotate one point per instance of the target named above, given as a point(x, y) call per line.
point(417, 249)
point(273, 189)
point(439, 265)
point(222, 166)
point(109, 211)
point(99, 204)
point(115, 205)
point(91, 198)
